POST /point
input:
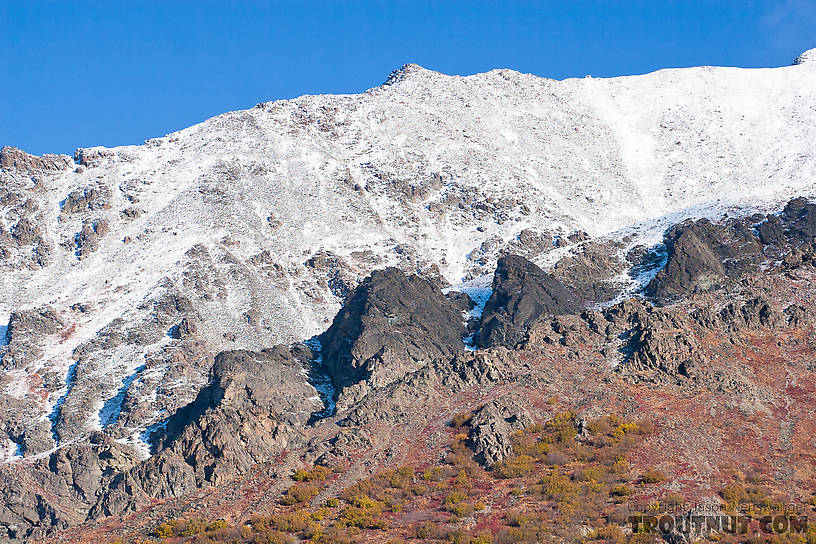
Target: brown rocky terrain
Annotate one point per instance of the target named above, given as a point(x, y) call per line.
point(700, 391)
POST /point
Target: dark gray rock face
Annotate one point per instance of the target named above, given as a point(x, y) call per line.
point(390, 324)
point(256, 405)
point(522, 294)
point(800, 221)
point(589, 270)
point(492, 428)
point(771, 231)
point(659, 346)
point(243, 417)
point(702, 255)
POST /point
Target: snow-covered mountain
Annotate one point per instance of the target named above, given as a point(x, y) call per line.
point(124, 270)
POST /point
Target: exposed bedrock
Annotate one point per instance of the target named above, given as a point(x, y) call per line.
point(256, 406)
point(493, 425)
point(522, 294)
point(390, 325)
point(702, 256)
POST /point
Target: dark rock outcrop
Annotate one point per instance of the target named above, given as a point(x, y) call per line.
point(771, 231)
point(702, 256)
point(26, 332)
point(589, 270)
point(256, 405)
point(659, 346)
point(86, 199)
point(391, 323)
point(800, 221)
point(57, 491)
point(522, 294)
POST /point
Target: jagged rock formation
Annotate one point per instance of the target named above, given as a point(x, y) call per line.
point(492, 427)
point(58, 491)
point(255, 407)
point(591, 271)
point(390, 324)
point(124, 271)
point(522, 294)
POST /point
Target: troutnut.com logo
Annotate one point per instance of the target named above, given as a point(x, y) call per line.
point(728, 524)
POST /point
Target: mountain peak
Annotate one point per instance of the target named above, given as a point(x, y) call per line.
point(808, 57)
point(404, 72)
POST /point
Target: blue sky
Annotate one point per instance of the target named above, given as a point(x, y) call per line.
point(112, 73)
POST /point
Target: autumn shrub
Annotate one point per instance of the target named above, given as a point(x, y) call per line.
point(314, 474)
point(299, 493)
point(461, 458)
point(524, 528)
point(335, 535)
point(645, 427)
point(461, 480)
point(652, 476)
point(557, 486)
point(738, 494)
point(432, 473)
point(455, 497)
point(191, 527)
point(287, 522)
point(461, 419)
point(621, 490)
point(561, 428)
point(217, 524)
point(362, 488)
point(515, 467)
point(166, 529)
point(608, 533)
point(591, 474)
point(557, 458)
point(363, 512)
point(400, 478)
point(269, 537)
point(621, 466)
point(431, 531)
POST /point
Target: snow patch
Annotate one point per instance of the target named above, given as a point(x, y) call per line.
point(70, 381)
point(321, 381)
point(4, 319)
point(109, 413)
point(479, 291)
point(143, 440)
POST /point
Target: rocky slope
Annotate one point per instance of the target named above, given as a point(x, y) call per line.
point(128, 272)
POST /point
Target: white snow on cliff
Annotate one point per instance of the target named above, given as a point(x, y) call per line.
point(426, 171)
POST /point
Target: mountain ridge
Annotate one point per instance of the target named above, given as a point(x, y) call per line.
point(126, 270)
point(430, 173)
